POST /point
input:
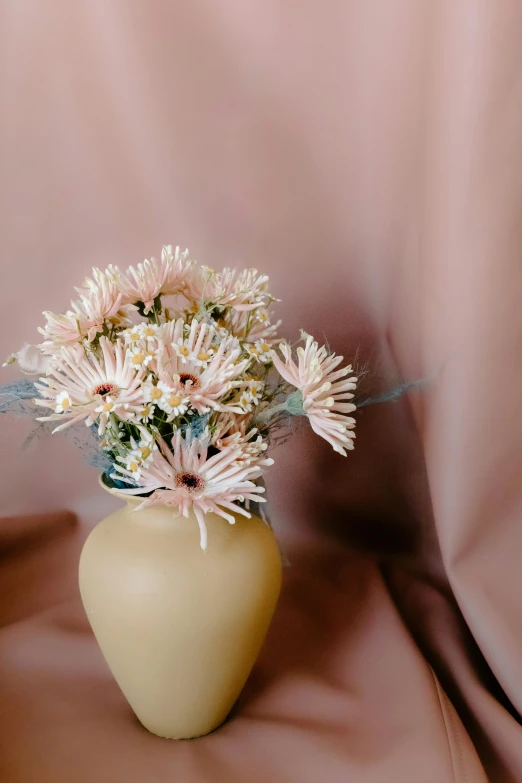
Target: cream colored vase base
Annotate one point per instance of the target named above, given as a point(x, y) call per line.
point(180, 628)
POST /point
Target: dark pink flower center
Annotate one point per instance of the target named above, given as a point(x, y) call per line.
point(187, 378)
point(105, 388)
point(190, 481)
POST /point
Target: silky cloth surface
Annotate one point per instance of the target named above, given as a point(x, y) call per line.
point(367, 157)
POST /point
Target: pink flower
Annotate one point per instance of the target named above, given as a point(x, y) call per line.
point(233, 430)
point(177, 268)
point(184, 478)
point(249, 326)
point(60, 330)
point(167, 275)
point(324, 394)
point(80, 385)
point(187, 363)
point(100, 301)
point(243, 291)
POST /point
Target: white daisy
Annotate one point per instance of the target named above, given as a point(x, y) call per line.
point(132, 464)
point(133, 335)
point(145, 447)
point(156, 393)
point(108, 406)
point(146, 413)
point(139, 355)
point(254, 389)
point(264, 351)
point(149, 331)
point(142, 332)
point(203, 357)
point(62, 402)
point(182, 349)
point(174, 404)
point(245, 402)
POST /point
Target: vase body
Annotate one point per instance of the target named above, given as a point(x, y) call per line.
point(179, 627)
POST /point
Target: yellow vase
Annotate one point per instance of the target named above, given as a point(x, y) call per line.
point(179, 627)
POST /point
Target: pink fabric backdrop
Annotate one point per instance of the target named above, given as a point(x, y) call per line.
point(367, 156)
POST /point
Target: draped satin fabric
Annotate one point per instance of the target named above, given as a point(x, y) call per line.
point(367, 157)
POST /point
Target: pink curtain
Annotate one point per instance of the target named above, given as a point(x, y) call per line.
point(368, 157)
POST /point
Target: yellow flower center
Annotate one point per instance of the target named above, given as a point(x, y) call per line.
point(184, 351)
point(155, 393)
point(146, 411)
point(149, 331)
point(139, 358)
point(174, 401)
point(265, 347)
point(145, 452)
point(108, 407)
point(66, 403)
point(254, 352)
point(114, 320)
point(133, 467)
point(134, 336)
point(203, 356)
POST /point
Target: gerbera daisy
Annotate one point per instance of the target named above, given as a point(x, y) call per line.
point(60, 330)
point(183, 478)
point(249, 326)
point(204, 382)
point(324, 394)
point(167, 275)
point(89, 382)
point(178, 268)
point(101, 302)
point(243, 291)
point(235, 431)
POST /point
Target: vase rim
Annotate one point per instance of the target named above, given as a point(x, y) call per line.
point(118, 492)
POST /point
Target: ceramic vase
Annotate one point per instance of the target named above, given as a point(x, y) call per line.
point(179, 627)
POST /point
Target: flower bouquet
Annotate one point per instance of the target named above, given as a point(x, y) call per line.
point(180, 374)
